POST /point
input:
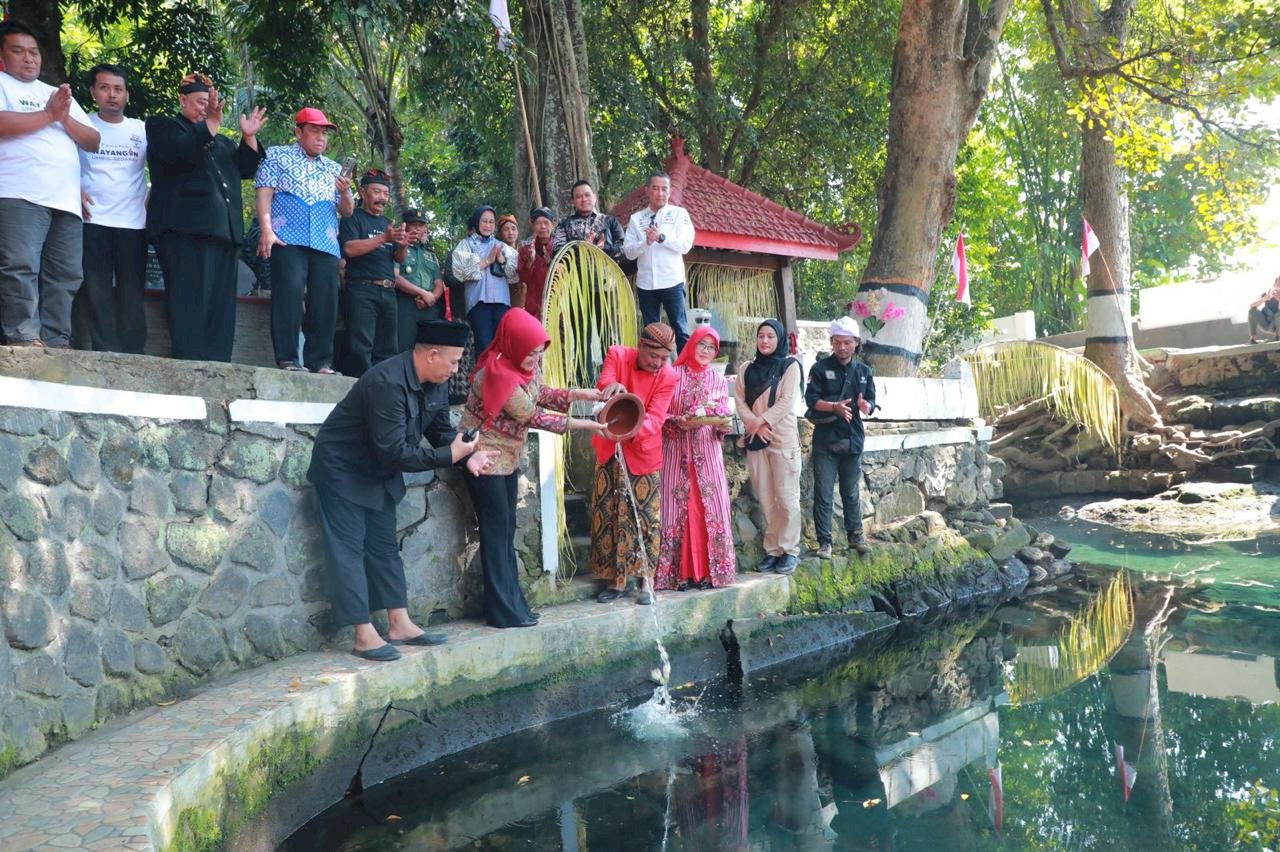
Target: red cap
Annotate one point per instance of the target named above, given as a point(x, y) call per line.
point(311, 115)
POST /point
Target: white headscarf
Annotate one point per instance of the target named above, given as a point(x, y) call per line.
point(845, 327)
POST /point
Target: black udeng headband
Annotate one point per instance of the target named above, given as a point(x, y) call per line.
point(193, 86)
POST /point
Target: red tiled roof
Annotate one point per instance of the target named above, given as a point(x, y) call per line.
point(728, 216)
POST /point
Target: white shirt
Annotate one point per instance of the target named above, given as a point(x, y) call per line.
point(42, 167)
point(659, 265)
point(115, 178)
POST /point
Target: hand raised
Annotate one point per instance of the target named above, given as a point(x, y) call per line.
point(59, 103)
point(213, 110)
point(863, 405)
point(252, 123)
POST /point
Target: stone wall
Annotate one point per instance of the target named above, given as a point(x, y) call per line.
point(949, 478)
point(139, 557)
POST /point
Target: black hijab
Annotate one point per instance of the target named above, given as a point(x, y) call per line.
point(761, 373)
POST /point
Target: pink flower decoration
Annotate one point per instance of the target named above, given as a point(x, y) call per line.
point(894, 312)
point(862, 309)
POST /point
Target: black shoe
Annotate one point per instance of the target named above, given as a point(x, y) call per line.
point(610, 595)
point(528, 622)
point(423, 638)
point(536, 616)
point(769, 564)
point(380, 654)
point(704, 584)
point(788, 564)
point(685, 585)
point(860, 545)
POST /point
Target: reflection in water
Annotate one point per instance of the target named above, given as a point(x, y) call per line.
point(893, 745)
point(1083, 645)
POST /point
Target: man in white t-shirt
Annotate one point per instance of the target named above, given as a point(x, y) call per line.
point(658, 237)
point(41, 129)
point(108, 314)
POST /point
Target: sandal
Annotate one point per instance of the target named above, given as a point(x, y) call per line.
point(684, 586)
point(704, 584)
point(326, 371)
point(290, 367)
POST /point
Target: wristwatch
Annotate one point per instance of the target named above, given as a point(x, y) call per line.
point(662, 238)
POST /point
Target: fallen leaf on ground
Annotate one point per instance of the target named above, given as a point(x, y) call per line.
point(870, 803)
point(393, 818)
point(964, 797)
point(296, 683)
point(524, 779)
point(166, 703)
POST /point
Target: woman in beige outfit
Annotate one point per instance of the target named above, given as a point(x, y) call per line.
point(765, 393)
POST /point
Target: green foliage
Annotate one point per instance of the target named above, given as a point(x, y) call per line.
point(157, 47)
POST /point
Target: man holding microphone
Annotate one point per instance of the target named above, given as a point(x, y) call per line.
point(658, 237)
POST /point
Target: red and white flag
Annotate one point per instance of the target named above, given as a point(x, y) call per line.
point(501, 19)
point(1088, 245)
point(960, 266)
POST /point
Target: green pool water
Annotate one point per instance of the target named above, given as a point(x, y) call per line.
point(892, 743)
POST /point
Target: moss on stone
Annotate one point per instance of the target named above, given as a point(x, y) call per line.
point(297, 459)
point(831, 585)
point(9, 760)
point(271, 768)
point(198, 830)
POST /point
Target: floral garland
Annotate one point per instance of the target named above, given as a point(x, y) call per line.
point(868, 311)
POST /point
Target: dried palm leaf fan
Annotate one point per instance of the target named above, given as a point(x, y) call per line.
point(1077, 390)
point(589, 306)
point(736, 294)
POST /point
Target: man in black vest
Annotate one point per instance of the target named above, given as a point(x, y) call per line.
point(366, 444)
point(840, 390)
point(195, 217)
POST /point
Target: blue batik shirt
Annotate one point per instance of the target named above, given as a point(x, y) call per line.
point(304, 209)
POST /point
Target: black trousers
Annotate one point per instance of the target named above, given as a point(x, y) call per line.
point(495, 501)
point(366, 573)
point(200, 290)
point(408, 315)
point(371, 326)
point(107, 314)
point(302, 275)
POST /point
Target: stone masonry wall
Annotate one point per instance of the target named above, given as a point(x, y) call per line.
point(140, 557)
point(951, 479)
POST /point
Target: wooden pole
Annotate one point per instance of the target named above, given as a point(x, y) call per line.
point(528, 140)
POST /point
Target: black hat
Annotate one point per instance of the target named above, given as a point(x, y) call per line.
point(542, 213)
point(443, 333)
point(375, 176)
point(413, 216)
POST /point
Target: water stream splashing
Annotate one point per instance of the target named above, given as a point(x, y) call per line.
point(662, 717)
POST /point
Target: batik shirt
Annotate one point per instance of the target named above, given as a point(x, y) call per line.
point(304, 209)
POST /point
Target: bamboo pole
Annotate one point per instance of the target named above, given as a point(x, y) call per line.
point(528, 139)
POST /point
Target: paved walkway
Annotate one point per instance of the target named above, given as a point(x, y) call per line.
point(123, 786)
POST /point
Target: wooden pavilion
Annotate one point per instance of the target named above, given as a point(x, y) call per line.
point(744, 241)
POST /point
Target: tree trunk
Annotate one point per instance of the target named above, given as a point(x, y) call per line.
point(1108, 321)
point(45, 17)
point(698, 52)
point(558, 107)
point(941, 68)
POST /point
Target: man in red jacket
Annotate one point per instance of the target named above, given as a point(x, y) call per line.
point(618, 549)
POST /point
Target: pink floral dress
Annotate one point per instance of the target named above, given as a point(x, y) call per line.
point(697, 539)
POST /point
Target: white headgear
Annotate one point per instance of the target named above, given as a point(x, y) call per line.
point(845, 327)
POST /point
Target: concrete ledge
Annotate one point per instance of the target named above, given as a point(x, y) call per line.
point(52, 396)
point(128, 786)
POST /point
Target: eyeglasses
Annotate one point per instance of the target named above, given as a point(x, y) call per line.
point(707, 346)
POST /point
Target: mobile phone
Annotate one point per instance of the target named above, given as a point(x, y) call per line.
point(348, 168)
point(470, 435)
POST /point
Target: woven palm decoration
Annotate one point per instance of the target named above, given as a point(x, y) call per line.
point(1075, 389)
point(739, 296)
point(589, 306)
